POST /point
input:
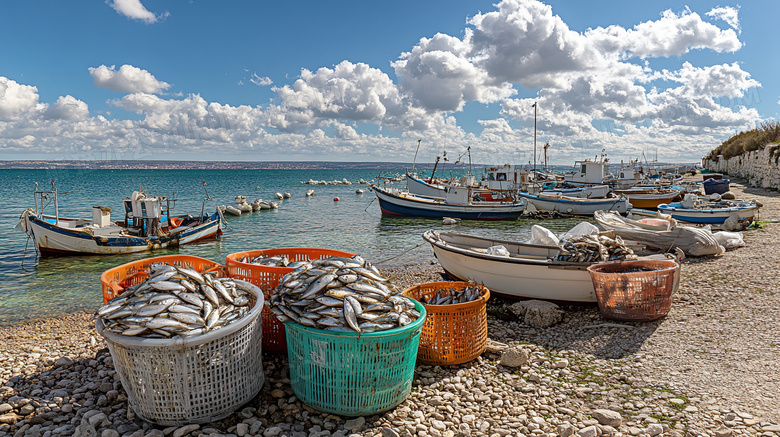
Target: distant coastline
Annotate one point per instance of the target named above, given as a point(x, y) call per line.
point(213, 165)
point(241, 165)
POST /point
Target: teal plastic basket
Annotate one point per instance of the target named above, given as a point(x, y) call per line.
point(339, 373)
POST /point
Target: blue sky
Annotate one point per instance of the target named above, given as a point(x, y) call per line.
point(363, 81)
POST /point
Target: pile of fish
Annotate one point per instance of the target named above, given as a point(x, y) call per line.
point(451, 296)
point(176, 301)
point(341, 294)
point(594, 248)
point(273, 261)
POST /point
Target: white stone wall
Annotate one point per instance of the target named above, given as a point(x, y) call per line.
point(761, 168)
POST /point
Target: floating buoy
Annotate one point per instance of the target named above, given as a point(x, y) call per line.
point(335, 199)
point(449, 221)
point(359, 191)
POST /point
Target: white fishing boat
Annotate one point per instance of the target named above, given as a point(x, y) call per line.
point(589, 172)
point(583, 192)
point(148, 225)
point(573, 205)
point(459, 203)
point(528, 272)
point(427, 188)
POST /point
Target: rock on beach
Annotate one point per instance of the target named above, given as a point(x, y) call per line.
point(693, 373)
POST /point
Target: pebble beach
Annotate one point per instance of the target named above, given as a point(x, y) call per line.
point(711, 367)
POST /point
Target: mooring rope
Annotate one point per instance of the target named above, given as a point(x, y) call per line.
point(396, 256)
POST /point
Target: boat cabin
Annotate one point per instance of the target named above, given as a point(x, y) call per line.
point(588, 172)
point(505, 177)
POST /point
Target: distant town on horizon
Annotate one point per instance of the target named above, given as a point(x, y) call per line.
point(242, 165)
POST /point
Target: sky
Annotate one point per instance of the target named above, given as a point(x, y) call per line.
point(350, 80)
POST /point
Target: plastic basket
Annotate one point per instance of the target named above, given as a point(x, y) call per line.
point(198, 379)
point(116, 280)
point(635, 296)
point(350, 375)
point(267, 278)
point(451, 334)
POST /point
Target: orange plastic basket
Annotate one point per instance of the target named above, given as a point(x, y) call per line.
point(451, 334)
point(623, 293)
point(116, 280)
point(267, 279)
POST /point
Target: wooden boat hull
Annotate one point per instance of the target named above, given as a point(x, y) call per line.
point(51, 239)
point(529, 277)
point(575, 206)
point(413, 206)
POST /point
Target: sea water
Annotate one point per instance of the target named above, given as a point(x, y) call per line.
point(33, 288)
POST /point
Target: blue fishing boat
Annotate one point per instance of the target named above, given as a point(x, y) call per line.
point(710, 213)
point(459, 203)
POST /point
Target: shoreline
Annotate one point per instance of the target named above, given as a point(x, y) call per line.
point(710, 367)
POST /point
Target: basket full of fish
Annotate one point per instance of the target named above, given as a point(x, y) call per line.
point(455, 329)
point(264, 268)
point(594, 248)
point(352, 337)
point(185, 343)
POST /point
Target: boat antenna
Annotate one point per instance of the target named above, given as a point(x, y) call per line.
point(415, 154)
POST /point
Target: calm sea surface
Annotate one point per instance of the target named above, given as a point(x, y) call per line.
point(40, 288)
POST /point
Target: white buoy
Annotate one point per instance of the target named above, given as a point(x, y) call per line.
point(279, 196)
point(310, 192)
point(287, 195)
point(358, 191)
point(449, 221)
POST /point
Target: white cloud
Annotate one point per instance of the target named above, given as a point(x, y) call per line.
point(440, 76)
point(15, 99)
point(672, 35)
point(260, 81)
point(133, 9)
point(596, 89)
point(128, 79)
point(523, 42)
point(350, 92)
point(67, 108)
point(728, 14)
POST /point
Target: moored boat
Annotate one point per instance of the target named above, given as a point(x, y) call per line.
point(649, 198)
point(712, 213)
point(528, 272)
point(148, 225)
point(573, 205)
point(459, 203)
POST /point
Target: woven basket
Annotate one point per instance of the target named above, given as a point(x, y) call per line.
point(116, 280)
point(451, 334)
point(267, 278)
point(198, 379)
point(637, 296)
point(349, 374)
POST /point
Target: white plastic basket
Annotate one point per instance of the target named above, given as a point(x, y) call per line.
point(198, 379)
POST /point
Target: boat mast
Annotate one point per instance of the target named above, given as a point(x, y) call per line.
point(534, 168)
point(415, 156)
point(546, 145)
point(436, 164)
point(56, 205)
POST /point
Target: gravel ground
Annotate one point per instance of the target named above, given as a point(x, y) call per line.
point(709, 368)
